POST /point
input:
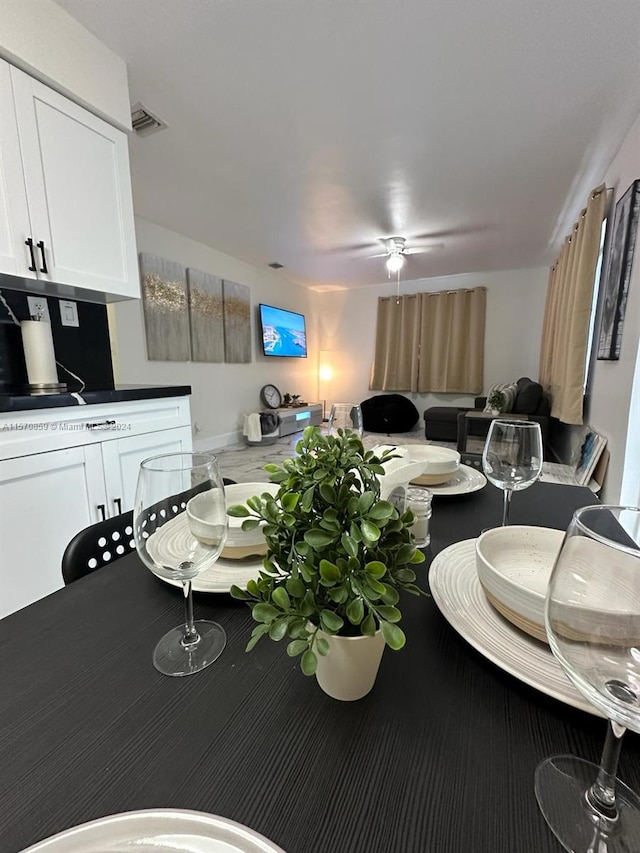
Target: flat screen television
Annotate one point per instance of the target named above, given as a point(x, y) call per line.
point(283, 332)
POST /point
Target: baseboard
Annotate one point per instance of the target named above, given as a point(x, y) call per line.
point(217, 442)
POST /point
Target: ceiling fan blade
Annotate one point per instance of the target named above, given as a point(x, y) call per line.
point(420, 250)
point(368, 257)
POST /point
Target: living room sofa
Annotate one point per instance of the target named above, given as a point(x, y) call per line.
point(441, 422)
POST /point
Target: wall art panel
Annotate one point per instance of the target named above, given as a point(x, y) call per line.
point(166, 309)
point(237, 322)
point(206, 316)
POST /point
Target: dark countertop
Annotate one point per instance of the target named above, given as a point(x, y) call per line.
point(22, 400)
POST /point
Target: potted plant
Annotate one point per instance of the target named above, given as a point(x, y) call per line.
point(497, 401)
point(337, 559)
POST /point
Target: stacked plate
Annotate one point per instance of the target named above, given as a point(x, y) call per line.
point(440, 464)
point(514, 564)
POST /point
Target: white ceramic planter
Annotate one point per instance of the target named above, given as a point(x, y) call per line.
point(349, 671)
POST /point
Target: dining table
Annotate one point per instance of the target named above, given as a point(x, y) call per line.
point(439, 756)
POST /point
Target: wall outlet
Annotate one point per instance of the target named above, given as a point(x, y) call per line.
point(69, 313)
point(39, 307)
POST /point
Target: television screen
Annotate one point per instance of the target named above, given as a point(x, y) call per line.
point(283, 332)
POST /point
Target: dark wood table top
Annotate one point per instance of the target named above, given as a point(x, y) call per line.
point(439, 757)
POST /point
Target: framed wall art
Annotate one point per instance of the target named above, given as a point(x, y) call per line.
point(237, 322)
point(616, 289)
point(206, 316)
point(166, 309)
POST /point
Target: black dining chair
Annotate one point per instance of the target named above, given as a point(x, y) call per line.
point(97, 546)
point(101, 544)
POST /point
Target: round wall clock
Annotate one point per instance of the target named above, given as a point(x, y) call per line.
point(271, 396)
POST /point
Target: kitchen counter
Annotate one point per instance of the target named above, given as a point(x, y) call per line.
point(22, 400)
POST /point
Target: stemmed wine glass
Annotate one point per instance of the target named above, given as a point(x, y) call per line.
point(592, 616)
point(345, 416)
point(180, 527)
point(512, 457)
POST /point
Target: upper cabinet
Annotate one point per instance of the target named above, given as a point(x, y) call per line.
point(65, 193)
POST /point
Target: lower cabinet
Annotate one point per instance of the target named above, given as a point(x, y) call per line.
point(46, 498)
point(122, 458)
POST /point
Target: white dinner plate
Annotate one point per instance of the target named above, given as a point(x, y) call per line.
point(222, 575)
point(165, 543)
point(157, 831)
point(457, 592)
point(465, 480)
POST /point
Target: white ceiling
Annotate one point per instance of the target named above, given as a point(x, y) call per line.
point(301, 131)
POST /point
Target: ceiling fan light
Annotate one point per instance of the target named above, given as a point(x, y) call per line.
point(395, 262)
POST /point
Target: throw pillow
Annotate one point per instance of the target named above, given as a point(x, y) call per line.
point(528, 397)
point(509, 390)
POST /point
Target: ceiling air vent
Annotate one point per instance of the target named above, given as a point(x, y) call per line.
point(144, 121)
point(276, 266)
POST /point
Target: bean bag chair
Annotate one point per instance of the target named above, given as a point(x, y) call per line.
point(388, 413)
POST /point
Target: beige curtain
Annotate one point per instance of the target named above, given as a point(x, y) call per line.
point(430, 342)
point(395, 366)
point(565, 331)
point(451, 356)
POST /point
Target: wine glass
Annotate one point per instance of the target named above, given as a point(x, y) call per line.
point(345, 416)
point(180, 527)
point(512, 457)
point(592, 616)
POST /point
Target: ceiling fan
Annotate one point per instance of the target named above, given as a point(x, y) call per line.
point(396, 251)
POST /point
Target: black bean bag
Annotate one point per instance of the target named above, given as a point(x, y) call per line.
point(388, 413)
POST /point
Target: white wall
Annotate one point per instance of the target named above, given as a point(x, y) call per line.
point(609, 408)
point(46, 42)
point(515, 306)
point(222, 393)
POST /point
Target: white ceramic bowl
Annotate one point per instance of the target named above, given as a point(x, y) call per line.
point(242, 543)
point(201, 509)
point(514, 564)
point(439, 463)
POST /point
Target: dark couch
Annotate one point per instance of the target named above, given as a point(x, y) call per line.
point(441, 422)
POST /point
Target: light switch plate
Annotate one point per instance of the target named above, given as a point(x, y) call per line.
point(69, 313)
point(39, 307)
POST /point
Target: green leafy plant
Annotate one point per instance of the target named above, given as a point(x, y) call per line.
point(497, 401)
point(337, 557)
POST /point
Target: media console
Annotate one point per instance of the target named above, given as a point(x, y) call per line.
point(295, 419)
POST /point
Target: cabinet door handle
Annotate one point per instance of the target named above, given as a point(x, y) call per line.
point(43, 268)
point(118, 503)
point(101, 510)
point(29, 243)
point(100, 424)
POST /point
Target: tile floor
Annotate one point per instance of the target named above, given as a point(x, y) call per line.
point(244, 464)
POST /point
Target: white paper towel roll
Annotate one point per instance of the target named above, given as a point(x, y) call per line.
point(38, 352)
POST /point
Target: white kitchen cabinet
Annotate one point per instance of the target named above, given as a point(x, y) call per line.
point(62, 470)
point(66, 192)
point(122, 458)
point(15, 226)
point(44, 500)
